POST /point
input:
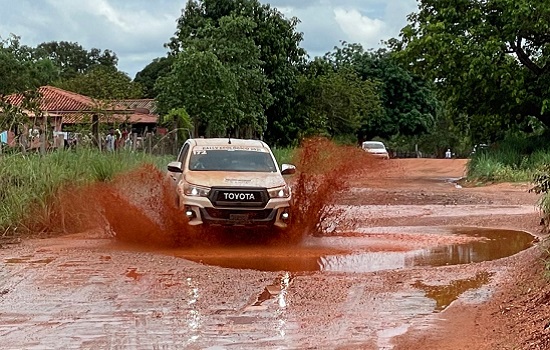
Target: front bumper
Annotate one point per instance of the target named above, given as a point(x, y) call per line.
point(200, 210)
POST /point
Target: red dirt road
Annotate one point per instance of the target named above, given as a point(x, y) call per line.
point(357, 290)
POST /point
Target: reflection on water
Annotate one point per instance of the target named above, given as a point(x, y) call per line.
point(494, 244)
point(352, 254)
point(444, 295)
point(260, 263)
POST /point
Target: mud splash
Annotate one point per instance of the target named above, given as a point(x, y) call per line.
point(136, 207)
point(140, 206)
point(324, 173)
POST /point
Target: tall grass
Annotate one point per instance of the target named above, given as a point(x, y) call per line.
point(29, 181)
point(500, 167)
point(284, 155)
point(515, 159)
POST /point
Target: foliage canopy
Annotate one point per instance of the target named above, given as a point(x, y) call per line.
point(488, 57)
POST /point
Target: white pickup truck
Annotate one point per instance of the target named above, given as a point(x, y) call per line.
point(231, 182)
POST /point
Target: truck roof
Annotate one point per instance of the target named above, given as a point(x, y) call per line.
point(228, 141)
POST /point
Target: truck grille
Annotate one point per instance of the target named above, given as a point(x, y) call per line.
point(239, 197)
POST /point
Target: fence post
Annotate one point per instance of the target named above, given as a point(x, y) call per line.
point(43, 136)
point(95, 130)
point(175, 127)
point(23, 139)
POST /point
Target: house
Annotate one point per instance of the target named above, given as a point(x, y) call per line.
point(64, 108)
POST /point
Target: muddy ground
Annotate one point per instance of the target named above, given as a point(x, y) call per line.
point(392, 283)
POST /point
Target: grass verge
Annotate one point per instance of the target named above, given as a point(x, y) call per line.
point(28, 182)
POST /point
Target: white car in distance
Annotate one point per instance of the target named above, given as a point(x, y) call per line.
point(376, 149)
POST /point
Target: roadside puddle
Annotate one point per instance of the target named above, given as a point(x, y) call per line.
point(444, 295)
point(394, 248)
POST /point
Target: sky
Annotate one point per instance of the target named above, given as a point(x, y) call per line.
point(136, 30)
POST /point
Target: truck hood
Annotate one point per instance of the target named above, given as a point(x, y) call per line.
point(234, 179)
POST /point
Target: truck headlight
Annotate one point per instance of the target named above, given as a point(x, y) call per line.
point(279, 192)
point(195, 191)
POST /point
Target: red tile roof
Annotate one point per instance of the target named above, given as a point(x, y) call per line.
point(75, 108)
point(55, 99)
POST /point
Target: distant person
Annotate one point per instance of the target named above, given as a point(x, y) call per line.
point(448, 154)
point(110, 141)
point(119, 142)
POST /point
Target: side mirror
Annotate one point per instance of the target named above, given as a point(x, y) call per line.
point(288, 169)
point(175, 167)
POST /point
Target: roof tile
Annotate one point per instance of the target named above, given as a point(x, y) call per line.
point(75, 108)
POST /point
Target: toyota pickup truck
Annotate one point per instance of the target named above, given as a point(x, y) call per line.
point(231, 182)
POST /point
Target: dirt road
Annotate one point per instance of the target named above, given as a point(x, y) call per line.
point(412, 275)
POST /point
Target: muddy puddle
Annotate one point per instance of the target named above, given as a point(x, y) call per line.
point(376, 249)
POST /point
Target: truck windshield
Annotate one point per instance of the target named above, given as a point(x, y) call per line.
point(231, 160)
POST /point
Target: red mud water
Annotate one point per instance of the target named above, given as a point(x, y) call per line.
point(324, 172)
point(140, 206)
point(135, 207)
point(362, 254)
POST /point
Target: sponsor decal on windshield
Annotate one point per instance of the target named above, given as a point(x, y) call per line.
point(205, 149)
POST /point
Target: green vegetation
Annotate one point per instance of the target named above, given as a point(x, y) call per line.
point(459, 74)
point(488, 57)
point(103, 82)
point(235, 70)
point(284, 155)
point(30, 181)
point(516, 158)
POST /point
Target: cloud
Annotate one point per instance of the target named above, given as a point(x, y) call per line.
point(361, 29)
point(326, 23)
point(125, 25)
point(136, 30)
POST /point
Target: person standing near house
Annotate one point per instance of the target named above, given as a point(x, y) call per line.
point(110, 141)
point(118, 139)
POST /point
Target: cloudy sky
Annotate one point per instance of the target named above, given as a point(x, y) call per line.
point(137, 29)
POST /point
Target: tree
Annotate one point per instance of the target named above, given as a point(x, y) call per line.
point(409, 102)
point(148, 76)
point(103, 82)
point(487, 57)
point(233, 48)
point(20, 72)
point(275, 39)
point(207, 89)
point(179, 120)
point(71, 59)
point(335, 103)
